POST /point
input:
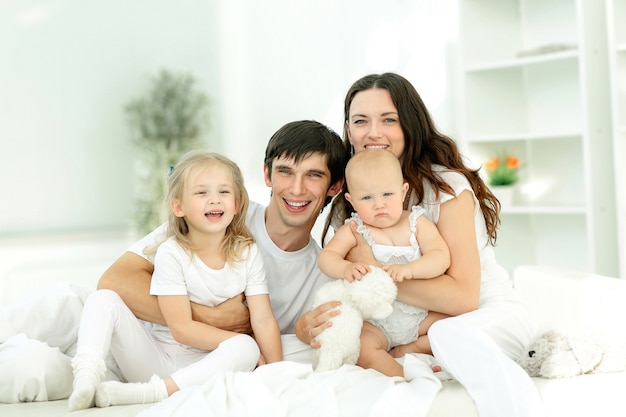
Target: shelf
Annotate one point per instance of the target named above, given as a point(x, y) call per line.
point(513, 99)
point(615, 18)
point(525, 61)
point(511, 137)
point(534, 76)
point(550, 210)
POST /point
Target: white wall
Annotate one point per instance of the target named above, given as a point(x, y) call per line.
point(67, 67)
point(66, 70)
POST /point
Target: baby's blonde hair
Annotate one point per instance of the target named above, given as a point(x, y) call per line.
point(369, 159)
point(238, 236)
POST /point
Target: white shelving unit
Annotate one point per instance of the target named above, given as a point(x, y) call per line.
point(616, 27)
point(535, 84)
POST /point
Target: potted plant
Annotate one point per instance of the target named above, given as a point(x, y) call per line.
point(170, 119)
point(502, 173)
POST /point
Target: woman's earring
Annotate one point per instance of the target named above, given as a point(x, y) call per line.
point(351, 150)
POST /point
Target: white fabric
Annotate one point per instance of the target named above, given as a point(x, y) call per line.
point(178, 272)
point(49, 317)
point(107, 324)
point(292, 277)
point(36, 371)
point(392, 254)
point(478, 348)
point(402, 325)
point(37, 338)
point(290, 389)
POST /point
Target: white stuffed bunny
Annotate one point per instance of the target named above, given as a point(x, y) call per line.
point(369, 298)
point(563, 355)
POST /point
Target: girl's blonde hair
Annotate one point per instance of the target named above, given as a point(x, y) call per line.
point(237, 237)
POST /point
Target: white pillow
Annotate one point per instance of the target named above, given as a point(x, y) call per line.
point(36, 371)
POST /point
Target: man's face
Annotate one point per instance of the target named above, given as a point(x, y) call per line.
point(299, 190)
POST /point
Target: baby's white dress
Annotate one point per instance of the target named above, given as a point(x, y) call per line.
point(401, 327)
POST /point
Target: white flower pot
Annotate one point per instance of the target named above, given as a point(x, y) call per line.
point(504, 194)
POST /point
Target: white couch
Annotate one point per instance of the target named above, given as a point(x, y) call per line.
point(557, 299)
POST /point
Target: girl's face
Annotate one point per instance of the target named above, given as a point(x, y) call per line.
point(209, 201)
point(373, 122)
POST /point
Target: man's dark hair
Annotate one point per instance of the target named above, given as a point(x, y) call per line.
point(298, 140)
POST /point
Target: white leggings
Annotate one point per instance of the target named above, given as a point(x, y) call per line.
point(107, 324)
point(478, 349)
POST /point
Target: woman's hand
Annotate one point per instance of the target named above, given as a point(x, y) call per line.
point(312, 323)
point(362, 252)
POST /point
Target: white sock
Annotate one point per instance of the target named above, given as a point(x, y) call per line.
point(118, 393)
point(88, 369)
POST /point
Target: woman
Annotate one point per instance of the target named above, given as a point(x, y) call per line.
point(490, 326)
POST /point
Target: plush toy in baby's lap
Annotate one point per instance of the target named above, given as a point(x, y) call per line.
point(366, 299)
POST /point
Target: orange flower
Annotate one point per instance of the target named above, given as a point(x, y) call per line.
point(492, 164)
point(502, 169)
point(512, 162)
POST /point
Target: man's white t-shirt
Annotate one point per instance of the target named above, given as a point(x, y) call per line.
point(292, 277)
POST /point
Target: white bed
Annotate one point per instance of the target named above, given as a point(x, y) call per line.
point(291, 389)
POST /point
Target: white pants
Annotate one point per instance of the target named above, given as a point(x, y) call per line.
point(478, 349)
point(107, 324)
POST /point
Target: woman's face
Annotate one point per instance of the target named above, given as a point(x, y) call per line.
point(373, 122)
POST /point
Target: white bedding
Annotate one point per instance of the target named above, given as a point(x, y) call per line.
point(280, 389)
point(293, 389)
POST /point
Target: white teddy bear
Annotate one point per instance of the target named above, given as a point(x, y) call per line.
point(560, 355)
point(365, 299)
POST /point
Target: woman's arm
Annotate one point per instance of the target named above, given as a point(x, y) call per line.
point(177, 313)
point(129, 276)
point(265, 327)
point(457, 291)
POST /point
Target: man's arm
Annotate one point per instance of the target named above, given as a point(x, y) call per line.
point(130, 276)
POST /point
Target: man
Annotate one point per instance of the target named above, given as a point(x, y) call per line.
point(304, 165)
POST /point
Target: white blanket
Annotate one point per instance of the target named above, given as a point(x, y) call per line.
point(49, 322)
point(293, 389)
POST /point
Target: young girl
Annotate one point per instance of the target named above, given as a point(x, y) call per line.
point(209, 257)
point(405, 242)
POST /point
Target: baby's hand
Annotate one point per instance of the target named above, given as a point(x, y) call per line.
point(398, 272)
point(356, 271)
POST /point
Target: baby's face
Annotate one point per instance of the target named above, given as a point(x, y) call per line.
point(377, 196)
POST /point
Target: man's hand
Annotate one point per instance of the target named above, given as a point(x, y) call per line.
point(231, 315)
point(312, 323)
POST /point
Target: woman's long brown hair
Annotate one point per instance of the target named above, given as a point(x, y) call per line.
point(424, 146)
